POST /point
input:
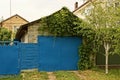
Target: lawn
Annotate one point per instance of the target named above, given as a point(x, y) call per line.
point(94, 74)
point(11, 77)
point(34, 75)
point(65, 75)
point(98, 74)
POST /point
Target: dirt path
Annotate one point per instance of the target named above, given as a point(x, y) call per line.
point(51, 76)
point(33, 77)
point(79, 75)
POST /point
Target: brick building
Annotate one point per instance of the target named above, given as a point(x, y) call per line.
point(13, 23)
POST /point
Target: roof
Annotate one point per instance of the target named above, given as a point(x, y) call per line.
point(84, 4)
point(25, 26)
point(14, 16)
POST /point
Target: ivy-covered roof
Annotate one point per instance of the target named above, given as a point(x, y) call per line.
point(59, 22)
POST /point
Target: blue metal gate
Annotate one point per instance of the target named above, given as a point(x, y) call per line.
point(58, 53)
point(29, 55)
point(9, 58)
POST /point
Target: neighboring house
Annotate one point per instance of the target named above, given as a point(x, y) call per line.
point(82, 10)
point(86, 7)
point(13, 23)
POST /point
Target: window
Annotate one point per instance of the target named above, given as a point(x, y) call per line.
point(16, 29)
point(87, 10)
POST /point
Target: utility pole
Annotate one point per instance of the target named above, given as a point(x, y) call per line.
point(10, 8)
point(11, 22)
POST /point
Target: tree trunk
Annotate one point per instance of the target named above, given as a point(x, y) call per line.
point(106, 62)
point(107, 47)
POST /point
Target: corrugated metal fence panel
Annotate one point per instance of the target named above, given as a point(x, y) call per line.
point(58, 53)
point(29, 56)
point(9, 57)
point(113, 59)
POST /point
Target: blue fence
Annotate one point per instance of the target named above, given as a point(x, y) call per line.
point(9, 58)
point(49, 54)
point(58, 53)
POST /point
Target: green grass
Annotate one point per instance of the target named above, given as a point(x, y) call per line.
point(18, 77)
point(98, 74)
point(64, 75)
point(94, 74)
point(35, 75)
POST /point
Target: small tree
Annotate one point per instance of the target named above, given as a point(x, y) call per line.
point(104, 20)
point(5, 35)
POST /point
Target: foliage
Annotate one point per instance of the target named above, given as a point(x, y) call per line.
point(100, 30)
point(60, 23)
point(106, 27)
point(105, 20)
point(88, 48)
point(84, 62)
point(5, 35)
point(116, 42)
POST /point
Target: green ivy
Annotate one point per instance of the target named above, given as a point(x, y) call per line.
point(84, 62)
point(60, 23)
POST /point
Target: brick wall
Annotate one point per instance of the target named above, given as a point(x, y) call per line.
point(33, 33)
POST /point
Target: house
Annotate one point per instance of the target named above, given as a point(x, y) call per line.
point(82, 10)
point(28, 33)
point(13, 23)
point(86, 7)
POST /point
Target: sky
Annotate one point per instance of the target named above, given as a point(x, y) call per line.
point(34, 9)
